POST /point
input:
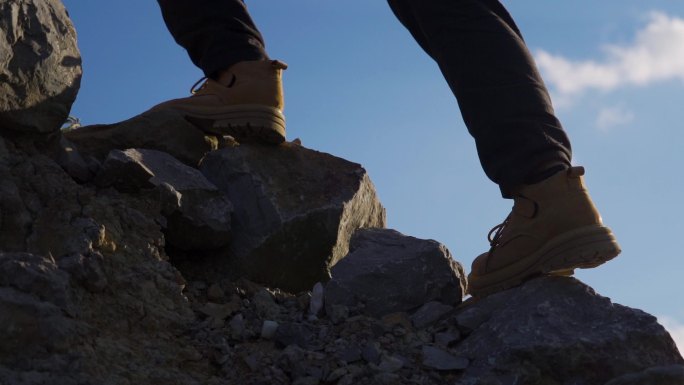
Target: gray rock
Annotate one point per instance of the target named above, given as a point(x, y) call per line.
point(660, 375)
point(15, 218)
point(439, 359)
point(446, 339)
point(316, 301)
point(291, 333)
point(40, 65)
point(336, 374)
point(87, 269)
point(217, 310)
point(390, 364)
point(237, 326)
point(430, 313)
point(385, 378)
point(338, 313)
point(166, 131)
point(30, 326)
point(390, 272)
point(350, 354)
point(81, 169)
point(371, 353)
point(295, 211)
point(471, 318)
point(197, 213)
point(268, 329)
point(551, 327)
point(34, 274)
point(265, 304)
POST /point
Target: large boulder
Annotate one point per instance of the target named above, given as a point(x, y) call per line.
point(164, 130)
point(40, 65)
point(389, 272)
point(295, 211)
point(557, 330)
point(197, 213)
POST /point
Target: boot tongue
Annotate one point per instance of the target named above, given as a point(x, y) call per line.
point(525, 207)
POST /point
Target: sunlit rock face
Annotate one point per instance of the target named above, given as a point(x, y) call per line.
point(40, 65)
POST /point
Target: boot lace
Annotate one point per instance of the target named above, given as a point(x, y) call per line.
point(497, 231)
point(198, 85)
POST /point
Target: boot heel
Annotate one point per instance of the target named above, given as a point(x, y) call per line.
point(250, 123)
point(583, 248)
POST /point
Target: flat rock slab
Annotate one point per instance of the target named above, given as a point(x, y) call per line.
point(558, 330)
point(391, 272)
point(166, 131)
point(40, 65)
point(295, 211)
point(197, 213)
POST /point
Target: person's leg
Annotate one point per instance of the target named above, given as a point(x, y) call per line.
point(502, 97)
point(243, 95)
point(554, 226)
point(216, 33)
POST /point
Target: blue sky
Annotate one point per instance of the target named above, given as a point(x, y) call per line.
point(360, 88)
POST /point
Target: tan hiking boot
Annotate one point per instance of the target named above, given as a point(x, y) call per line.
point(554, 228)
point(245, 102)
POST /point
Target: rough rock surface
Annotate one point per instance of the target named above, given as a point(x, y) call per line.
point(165, 131)
point(550, 328)
point(84, 283)
point(40, 65)
point(391, 272)
point(197, 213)
point(295, 211)
point(88, 296)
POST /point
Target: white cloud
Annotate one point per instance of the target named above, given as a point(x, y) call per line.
point(611, 117)
point(676, 330)
point(655, 55)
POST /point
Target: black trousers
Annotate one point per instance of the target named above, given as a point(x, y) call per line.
point(478, 48)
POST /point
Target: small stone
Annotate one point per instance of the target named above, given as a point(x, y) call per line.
point(265, 304)
point(336, 374)
point(252, 361)
point(304, 300)
point(293, 334)
point(316, 302)
point(439, 359)
point(371, 353)
point(350, 354)
point(237, 326)
point(338, 313)
point(390, 364)
point(430, 313)
point(268, 329)
point(445, 339)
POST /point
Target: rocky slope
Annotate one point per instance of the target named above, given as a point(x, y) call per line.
point(148, 252)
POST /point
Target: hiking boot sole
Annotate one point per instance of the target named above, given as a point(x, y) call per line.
point(244, 122)
point(582, 248)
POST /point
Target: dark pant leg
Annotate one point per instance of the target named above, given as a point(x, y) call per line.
point(502, 97)
point(216, 33)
